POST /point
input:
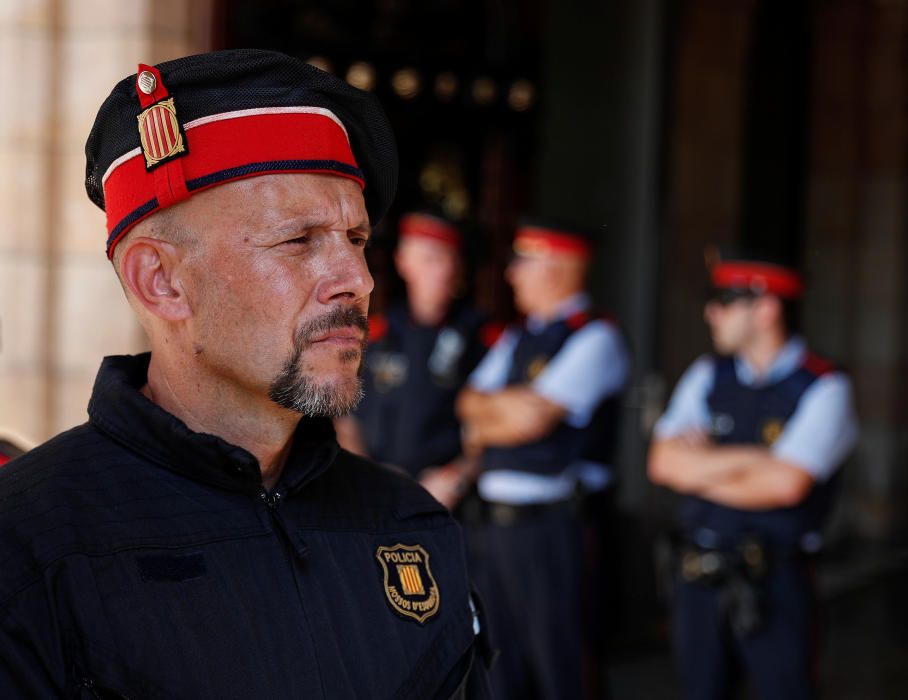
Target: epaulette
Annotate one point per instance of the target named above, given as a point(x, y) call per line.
point(578, 320)
point(378, 327)
point(490, 332)
point(818, 365)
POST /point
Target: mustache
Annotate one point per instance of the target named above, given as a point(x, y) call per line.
point(338, 317)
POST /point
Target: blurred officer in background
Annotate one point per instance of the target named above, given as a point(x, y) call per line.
point(541, 410)
point(203, 535)
point(752, 438)
point(419, 356)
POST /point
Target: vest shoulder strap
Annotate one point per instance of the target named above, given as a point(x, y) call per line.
point(378, 327)
point(725, 370)
point(818, 365)
point(578, 320)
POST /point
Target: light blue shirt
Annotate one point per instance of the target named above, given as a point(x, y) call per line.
point(591, 366)
point(817, 438)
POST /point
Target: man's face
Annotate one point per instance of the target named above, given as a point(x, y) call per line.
point(430, 269)
point(279, 288)
point(731, 324)
point(533, 280)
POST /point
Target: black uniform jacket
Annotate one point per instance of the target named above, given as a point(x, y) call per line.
point(140, 559)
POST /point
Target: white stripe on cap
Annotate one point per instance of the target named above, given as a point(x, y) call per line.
point(238, 114)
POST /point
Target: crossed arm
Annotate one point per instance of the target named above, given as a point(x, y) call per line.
point(514, 415)
point(511, 416)
point(745, 477)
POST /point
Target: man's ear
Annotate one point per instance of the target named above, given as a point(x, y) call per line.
point(148, 268)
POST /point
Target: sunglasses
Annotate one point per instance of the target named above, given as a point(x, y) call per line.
point(725, 297)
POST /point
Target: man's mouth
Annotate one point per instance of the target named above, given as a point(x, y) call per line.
point(340, 336)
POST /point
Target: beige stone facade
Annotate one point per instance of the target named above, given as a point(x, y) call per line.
point(61, 308)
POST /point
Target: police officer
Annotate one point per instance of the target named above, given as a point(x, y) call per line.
point(419, 356)
point(203, 535)
point(541, 410)
point(753, 438)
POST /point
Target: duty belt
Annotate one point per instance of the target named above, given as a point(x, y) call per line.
point(507, 514)
point(712, 566)
point(736, 573)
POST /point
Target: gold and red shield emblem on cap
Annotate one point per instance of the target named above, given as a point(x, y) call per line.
point(409, 585)
point(160, 133)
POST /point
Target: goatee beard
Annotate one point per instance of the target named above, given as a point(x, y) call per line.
point(298, 391)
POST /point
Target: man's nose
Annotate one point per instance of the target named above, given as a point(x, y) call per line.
point(346, 275)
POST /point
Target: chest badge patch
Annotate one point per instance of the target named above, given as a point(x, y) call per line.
point(445, 355)
point(389, 369)
point(772, 430)
point(537, 364)
point(409, 585)
point(721, 424)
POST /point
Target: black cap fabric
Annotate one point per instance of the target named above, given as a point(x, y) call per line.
point(229, 81)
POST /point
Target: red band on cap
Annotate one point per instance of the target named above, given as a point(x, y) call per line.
point(223, 148)
point(762, 278)
point(426, 226)
point(542, 242)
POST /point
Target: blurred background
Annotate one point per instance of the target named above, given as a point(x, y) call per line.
point(665, 125)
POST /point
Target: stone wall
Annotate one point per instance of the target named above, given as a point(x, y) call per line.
point(856, 248)
point(61, 308)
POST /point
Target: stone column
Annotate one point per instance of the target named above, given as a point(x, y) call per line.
point(61, 307)
point(703, 198)
point(857, 239)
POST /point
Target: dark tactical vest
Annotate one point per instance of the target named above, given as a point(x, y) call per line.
point(552, 454)
point(411, 378)
point(744, 415)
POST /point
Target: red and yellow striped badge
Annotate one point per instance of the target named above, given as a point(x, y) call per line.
point(409, 585)
point(160, 133)
point(410, 579)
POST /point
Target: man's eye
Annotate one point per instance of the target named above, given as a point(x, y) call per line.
point(298, 240)
point(361, 241)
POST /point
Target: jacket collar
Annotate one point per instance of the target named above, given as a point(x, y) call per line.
point(576, 303)
point(789, 358)
point(119, 409)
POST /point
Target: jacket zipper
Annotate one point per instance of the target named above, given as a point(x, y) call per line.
point(89, 685)
point(296, 544)
point(300, 550)
point(96, 691)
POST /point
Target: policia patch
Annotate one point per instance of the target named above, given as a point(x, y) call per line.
point(409, 585)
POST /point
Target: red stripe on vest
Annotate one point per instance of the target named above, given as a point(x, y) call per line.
point(378, 327)
point(817, 365)
point(579, 319)
point(490, 332)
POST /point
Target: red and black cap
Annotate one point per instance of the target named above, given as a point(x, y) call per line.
point(182, 126)
point(544, 238)
point(754, 276)
point(423, 224)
